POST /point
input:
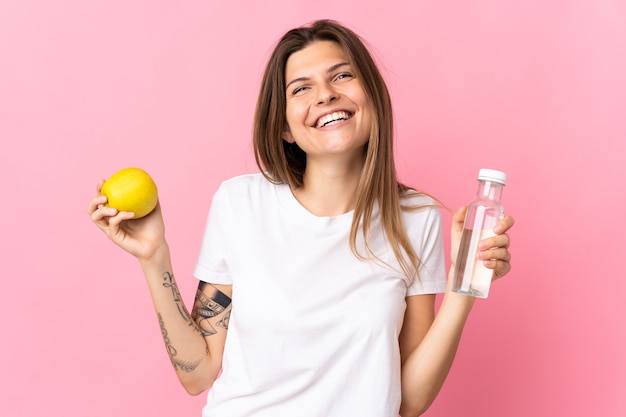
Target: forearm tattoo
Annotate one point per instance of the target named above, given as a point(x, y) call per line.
point(214, 305)
point(211, 303)
point(169, 282)
point(172, 352)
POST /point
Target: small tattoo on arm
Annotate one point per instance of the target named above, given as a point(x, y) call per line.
point(224, 321)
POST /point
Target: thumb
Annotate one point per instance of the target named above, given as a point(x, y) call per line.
point(459, 218)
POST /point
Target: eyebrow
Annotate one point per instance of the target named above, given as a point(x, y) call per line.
point(331, 69)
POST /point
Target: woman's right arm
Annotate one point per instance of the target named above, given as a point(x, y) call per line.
point(194, 341)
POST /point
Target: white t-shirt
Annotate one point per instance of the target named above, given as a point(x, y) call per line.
point(313, 330)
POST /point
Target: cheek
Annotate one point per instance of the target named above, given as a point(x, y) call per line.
point(292, 114)
point(291, 125)
point(363, 102)
point(368, 118)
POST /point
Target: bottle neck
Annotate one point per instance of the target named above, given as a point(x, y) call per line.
point(489, 190)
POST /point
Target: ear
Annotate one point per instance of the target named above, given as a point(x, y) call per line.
point(287, 136)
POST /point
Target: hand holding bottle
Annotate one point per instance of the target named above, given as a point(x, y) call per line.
point(494, 252)
point(482, 253)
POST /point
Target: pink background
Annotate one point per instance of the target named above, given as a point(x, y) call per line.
point(535, 88)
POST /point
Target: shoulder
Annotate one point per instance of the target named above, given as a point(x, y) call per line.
point(411, 198)
point(422, 217)
point(418, 205)
point(248, 191)
point(245, 181)
point(246, 186)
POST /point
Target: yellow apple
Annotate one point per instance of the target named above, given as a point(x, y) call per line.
point(131, 189)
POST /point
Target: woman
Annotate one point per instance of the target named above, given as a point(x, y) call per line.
point(327, 263)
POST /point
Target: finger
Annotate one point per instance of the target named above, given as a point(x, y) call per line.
point(96, 202)
point(115, 221)
point(118, 218)
point(498, 241)
point(103, 212)
point(459, 218)
point(101, 217)
point(495, 254)
point(157, 208)
point(503, 225)
point(459, 215)
point(500, 268)
point(99, 186)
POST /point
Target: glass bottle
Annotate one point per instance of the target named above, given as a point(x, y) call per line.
point(471, 277)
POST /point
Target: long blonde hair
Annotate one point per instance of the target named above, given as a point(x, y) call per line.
point(285, 163)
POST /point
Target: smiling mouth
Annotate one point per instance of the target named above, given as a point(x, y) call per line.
point(332, 118)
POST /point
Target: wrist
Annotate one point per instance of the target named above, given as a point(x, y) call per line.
point(159, 258)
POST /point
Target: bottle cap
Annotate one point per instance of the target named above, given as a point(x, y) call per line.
point(492, 175)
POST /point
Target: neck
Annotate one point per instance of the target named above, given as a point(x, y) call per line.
point(329, 189)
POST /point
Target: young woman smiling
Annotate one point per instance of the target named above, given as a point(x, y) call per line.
point(318, 275)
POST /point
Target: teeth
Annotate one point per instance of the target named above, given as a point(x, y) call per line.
point(332, 118)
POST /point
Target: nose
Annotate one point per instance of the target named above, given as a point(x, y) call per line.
point(326, 94)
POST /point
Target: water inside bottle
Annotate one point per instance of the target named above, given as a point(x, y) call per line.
point(471, 275)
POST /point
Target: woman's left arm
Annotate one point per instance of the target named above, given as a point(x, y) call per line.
point(429, 342)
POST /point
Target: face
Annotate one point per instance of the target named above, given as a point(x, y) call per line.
point(328, 112)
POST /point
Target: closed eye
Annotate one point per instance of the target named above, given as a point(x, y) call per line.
point(298, 90)
point(343, 76)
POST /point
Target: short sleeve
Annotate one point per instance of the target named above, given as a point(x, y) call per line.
point(212, 265)
point(425, 231)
